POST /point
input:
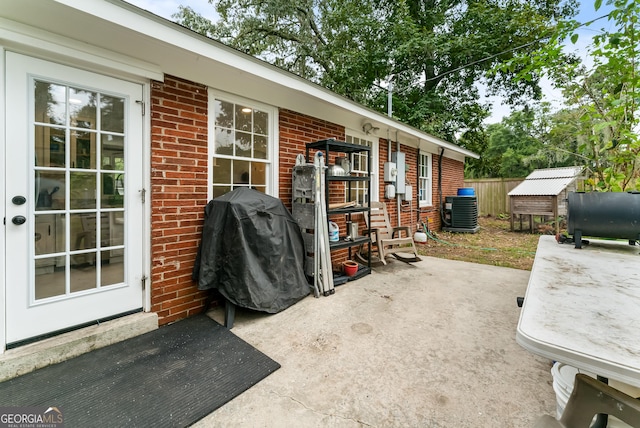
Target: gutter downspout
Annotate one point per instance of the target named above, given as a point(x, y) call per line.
point(440, 208)
point(404, 169)
point(390, 114)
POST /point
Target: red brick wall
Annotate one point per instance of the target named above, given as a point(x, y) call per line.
point(296, 130)
point(408, 210)
point(452, 179)
point(178, 195)
point(179, 183)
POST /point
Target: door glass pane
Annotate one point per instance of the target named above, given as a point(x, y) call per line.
point(83, 231)
point(83, 190)
point(50, 103)
point(84, 276)
point(45, 234)
point(82, 108)
point(83, 150)
point(112, 267)
point(119, 190)
point(112, 195)
point(79, 188)
point(116, 229)
point(50, 144)
point(111, 113)
point(50, 281)
point(112, 155)
point(50, 190)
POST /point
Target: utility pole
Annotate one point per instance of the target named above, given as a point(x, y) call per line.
point(390, 98)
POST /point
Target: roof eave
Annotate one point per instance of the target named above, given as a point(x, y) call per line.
point(179, 51)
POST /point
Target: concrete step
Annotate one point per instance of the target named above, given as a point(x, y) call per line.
point(27, 358)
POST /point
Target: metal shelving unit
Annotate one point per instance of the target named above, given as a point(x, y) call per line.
point(331, 146)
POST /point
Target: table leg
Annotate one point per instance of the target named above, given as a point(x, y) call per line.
point(601, 419)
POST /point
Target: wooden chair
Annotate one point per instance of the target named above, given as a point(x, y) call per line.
point(589, 398)
point(389, 240)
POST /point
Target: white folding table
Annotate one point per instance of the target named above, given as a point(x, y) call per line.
point(582, 307)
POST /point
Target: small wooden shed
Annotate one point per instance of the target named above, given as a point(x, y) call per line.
point(544, 193)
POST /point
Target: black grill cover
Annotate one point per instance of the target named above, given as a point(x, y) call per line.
point(252, 252)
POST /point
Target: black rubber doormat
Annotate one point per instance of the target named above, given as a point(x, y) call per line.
point(170, 377)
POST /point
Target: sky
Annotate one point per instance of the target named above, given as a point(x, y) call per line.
point(587, 12)
point(166, 8)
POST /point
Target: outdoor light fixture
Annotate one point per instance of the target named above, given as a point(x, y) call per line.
point(368, 128)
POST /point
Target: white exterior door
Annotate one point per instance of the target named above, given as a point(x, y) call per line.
point(74, 206)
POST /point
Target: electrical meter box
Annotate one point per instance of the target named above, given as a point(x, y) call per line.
point(390, 172)
point(389, 191)
point(408, 195)
point(399, 159)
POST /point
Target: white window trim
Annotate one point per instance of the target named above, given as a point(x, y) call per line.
point(273, 170)
point(427, 203)
point(375, 141)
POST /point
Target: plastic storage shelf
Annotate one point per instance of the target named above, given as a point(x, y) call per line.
point(330, 146)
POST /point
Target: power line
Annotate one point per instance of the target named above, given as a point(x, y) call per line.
point(462, 67)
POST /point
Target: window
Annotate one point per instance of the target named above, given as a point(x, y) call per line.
point(424, 179)
point(360, 167)
point(242, 143)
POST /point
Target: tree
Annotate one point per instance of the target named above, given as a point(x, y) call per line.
point(477, 141)
point(560, 142)
point(604, 99)
point(432, 52)
point(523, 141)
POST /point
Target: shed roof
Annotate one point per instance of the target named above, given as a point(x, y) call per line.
point(547, 182)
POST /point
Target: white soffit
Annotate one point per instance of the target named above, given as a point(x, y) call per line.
point(25, 39)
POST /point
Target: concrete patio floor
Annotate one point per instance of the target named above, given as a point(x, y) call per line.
point(431, 344)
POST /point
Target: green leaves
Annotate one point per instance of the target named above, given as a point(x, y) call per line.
point(603, 99)
point(436, 52)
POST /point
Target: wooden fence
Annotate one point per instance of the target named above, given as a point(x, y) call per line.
point(492, 194)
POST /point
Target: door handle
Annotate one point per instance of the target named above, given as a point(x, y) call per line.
point(19, 200)
point(18, 220)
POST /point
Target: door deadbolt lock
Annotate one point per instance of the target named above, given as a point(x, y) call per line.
point(18, 220)
point(18, 200)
